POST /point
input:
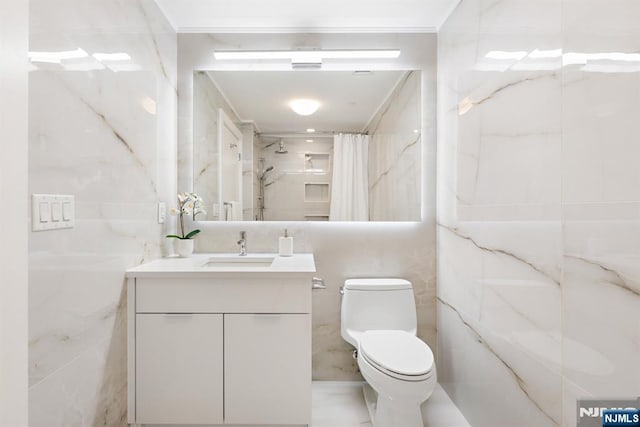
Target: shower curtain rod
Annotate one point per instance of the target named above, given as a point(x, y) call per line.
point(316, 134)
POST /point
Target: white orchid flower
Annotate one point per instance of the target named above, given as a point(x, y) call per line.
point(188, 204)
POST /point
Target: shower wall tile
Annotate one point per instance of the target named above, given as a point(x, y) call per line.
point(285, 197)
point(394, 154)
point(103, 131)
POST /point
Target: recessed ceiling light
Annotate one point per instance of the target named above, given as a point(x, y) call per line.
point(309, 140)
point(304, 107)
point(311, 130)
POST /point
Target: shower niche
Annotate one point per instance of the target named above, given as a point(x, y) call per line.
point(293, 185)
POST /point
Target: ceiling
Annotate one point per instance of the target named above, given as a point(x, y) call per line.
point(348, 99)
point(307, 15)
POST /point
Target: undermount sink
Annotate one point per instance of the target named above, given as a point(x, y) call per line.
point(239, 261)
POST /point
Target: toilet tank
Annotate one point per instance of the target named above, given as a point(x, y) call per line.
point(371, 304)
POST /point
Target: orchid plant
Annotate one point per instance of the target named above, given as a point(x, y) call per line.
point(188, 204)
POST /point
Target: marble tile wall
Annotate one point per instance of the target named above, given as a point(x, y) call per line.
point(601, 201)
point(207, 100)
point(341, 250)
point(537, 208)
point(103, 130)
point(394, 154)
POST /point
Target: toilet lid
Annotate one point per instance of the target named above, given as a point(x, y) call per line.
point(397, 351)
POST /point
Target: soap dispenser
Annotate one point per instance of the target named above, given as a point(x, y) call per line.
point(285, 244)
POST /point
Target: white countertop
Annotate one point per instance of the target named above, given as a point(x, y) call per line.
point(195, 265)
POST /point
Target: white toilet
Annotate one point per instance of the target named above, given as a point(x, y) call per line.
point(378, 317)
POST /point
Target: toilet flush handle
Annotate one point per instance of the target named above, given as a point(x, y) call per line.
point(318, 283)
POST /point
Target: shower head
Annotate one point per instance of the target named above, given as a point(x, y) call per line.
point(264, 172)
point(281, 148)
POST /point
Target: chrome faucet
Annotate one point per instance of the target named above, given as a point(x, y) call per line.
point(243, 243)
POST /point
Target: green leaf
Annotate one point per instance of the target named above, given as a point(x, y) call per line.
point(190, 235)
point(173, 236)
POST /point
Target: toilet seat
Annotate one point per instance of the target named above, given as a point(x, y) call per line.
point(398, 354)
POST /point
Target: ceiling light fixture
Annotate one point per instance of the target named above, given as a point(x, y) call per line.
point(307, 55)
point(304, 107)
point(311, 130)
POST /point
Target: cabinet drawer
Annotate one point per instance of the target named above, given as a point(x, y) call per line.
point(223, 295)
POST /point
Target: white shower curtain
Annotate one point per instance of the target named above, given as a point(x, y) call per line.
point(350, 183)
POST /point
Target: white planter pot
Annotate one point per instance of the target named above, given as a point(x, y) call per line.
point(184, 247)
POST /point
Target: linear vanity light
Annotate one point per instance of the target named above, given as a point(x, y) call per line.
point(307, 55)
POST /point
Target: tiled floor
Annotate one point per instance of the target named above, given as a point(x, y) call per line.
point(341, 404)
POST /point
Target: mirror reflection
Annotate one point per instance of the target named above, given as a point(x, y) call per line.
point(308, 145)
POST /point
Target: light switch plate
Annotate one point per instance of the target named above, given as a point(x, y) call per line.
point(52, 212)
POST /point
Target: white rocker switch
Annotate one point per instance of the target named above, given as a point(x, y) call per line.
point(56, 212)
point(67, 213)
point(45, 213)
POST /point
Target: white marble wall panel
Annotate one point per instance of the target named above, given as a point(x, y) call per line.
point(394, 154)
point(499, 194)
point(601, 191)
point(104, 131)
point(559, 198)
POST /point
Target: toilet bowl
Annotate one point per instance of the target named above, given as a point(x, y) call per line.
point(378, 318)
point(402, 374)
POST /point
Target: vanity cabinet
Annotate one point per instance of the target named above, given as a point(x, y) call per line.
point(179, 368)
point(219, 348)
point(267, 370)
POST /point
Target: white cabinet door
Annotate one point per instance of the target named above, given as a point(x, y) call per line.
point(267, 368)
point(179, 371)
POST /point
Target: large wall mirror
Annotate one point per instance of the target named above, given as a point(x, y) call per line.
point(352, 148)
point(308, 145)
